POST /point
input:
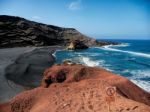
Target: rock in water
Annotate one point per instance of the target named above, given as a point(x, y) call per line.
point(74, 45)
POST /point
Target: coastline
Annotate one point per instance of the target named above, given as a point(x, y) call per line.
point(130, 58)
point(87, 81)
point(48, 68)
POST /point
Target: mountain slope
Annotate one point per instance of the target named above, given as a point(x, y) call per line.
point(17, 31)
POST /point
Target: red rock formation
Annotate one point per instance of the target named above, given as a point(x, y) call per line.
point(77, 88)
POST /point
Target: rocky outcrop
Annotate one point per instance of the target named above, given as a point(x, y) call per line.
point(77, 88)
point(71, 46)
point(16, 31)
point(74, 45)
point(75, 73)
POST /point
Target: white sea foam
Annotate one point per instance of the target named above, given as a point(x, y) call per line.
point(108, 47)
point(98, 63)
point(143, 84)
point(122, 45)
point(108, 69)
point(140, 74)
point(126, 71)
point(93, 63)
point(88, 54)
point(54, 54)
point(87, 61)
point(137, 76)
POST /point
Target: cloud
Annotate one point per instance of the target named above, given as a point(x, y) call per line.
point(36, 17)
point(76, 5)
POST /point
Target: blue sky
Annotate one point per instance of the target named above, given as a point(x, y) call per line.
point(128, 19)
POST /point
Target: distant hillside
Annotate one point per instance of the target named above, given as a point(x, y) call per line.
point(17, 31)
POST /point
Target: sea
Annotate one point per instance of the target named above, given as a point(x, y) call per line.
point(131, 59)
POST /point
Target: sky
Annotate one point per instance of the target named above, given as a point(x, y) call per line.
point(115, 19)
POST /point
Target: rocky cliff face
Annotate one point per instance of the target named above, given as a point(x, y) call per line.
point(16, 31)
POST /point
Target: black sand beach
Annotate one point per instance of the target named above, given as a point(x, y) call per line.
point(14, 77)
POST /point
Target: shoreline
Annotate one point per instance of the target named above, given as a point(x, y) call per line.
point(89, 61)
point(21, 87)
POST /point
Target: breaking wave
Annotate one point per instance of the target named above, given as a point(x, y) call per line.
point(87, 61)
point(143, 84)
point(133, 65)
point(138, 76)
point(108, 47)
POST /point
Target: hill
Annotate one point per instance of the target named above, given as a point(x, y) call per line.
point(19, 32)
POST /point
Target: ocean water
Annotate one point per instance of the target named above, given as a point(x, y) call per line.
point(130, 59)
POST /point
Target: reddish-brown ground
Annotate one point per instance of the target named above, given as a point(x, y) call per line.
point(77, 88)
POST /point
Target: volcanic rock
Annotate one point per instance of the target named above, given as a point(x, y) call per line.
point(19, 32)
point(76, 45)
point(28, 68)
point(75, 73)
point(77, 88)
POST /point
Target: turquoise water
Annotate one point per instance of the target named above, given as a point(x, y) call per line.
point(130, 59)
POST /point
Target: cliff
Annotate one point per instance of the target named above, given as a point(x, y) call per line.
point(78, 88)
point(19, 32)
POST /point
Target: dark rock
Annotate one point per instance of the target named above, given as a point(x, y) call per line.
point(68, 62)
point(74, 45)
point(16, 31)
point(28, 68)
point(103, 43)
point(19, 32)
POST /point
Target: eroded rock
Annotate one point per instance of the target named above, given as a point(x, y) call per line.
point(75, 45)
point(77, 88)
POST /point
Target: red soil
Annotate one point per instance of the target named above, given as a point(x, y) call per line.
point(77, 88)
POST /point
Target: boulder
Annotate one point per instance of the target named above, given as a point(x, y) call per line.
point(75, 45)
point(68, 62)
